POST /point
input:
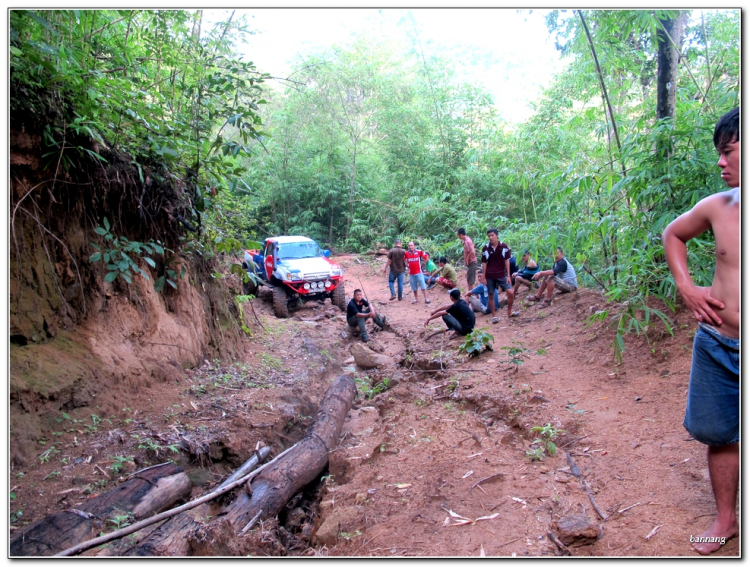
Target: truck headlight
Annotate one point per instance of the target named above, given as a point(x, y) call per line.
point(306, 286)
point(328, 283)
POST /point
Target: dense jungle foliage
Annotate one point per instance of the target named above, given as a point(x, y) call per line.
point(374, 139)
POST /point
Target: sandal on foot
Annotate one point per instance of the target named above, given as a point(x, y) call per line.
point(532, 298)
point(393, 297)
point(495, 320)
point(428, 300)
point(544, 304)
point(413, 300)
point(514, 314)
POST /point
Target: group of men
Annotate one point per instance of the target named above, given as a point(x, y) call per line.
point(712, 412)
point(498, 273)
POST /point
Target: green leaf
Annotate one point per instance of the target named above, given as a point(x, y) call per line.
point(110, 277)
point(149, 261)
point(158, 249)
point(95, 257)
point(106, 223)
point(159, 284)
point(126, 277)
point(170, 282)
point(100, 231)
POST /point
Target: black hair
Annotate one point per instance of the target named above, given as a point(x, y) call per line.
point(461, 231)
point(727, 129)
point(527, 252)
point(561, 251)
point(357, 290)
point(493, 230)
point(442, 260)
point(455, 294)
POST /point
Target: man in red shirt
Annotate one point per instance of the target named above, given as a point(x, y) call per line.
point(496, 271)
point(413, 258)
point(470, 257)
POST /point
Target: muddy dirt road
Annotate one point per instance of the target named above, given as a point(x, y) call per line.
point(438, 456)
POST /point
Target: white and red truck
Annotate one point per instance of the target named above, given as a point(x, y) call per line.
point(297, 269)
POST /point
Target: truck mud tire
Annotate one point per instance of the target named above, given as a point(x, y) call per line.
point(338, 297)
point(280, 303)
point(249, 288)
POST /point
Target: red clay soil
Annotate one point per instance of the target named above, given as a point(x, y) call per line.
point(449, 442)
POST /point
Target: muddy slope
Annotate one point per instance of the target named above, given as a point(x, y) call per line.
point(77, 341)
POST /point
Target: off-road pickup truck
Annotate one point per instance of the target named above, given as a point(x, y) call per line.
point(297, 270)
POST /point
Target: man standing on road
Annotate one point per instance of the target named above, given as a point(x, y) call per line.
point(398, 267)
point(562, 277)
point(496, 271)
point(457, 315)
point(416, 278)
point(359, 311)
point(713, 403)
point(470, 257)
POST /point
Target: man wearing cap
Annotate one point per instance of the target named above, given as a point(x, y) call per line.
point(398, 267)
point(457, 315)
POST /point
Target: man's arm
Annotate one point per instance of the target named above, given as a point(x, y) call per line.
point(674, 239)
point(388, 263)
point(542, 274)
point(437, 313)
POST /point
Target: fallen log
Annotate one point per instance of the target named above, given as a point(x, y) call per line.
point(271, 490)
point(145, 493)
point(165, 535)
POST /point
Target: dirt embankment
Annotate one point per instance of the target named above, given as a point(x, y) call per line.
point(442, 455)
point(80, 345)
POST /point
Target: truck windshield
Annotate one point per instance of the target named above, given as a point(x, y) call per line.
point(292, 250)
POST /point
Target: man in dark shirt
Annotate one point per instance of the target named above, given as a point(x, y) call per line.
point(398, 267)
point(359, 311)
point(457, 315)
point(524, 276)
point(496, 271)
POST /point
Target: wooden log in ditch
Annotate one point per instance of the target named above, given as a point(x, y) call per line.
point(272, 488)
point(275, 486)
point(145, 493)
point(169, 537)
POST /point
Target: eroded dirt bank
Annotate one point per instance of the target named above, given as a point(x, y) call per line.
point(448, 442)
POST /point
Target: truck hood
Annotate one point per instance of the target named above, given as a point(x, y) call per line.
point(308, 267)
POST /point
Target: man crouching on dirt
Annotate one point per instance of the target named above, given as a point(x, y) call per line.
point(457, 316)
point(359, 311)
point(713, 403)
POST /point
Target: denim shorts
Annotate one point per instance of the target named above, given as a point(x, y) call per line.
point(417, 280)
point(712, 415)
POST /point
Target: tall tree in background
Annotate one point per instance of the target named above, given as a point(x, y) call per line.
point(669, 35)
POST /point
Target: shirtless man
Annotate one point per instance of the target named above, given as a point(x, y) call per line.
point(712, 413)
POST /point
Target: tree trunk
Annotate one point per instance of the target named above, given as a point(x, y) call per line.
point(351, 190)
point(271, 489)
point(147, 493)
point(668, 60)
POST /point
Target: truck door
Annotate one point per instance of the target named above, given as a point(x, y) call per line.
point(270, 261)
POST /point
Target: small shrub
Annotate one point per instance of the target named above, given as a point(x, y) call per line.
point(477, 342)
point(545, 444)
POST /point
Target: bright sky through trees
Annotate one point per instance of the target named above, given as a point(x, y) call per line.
point(507, 50)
